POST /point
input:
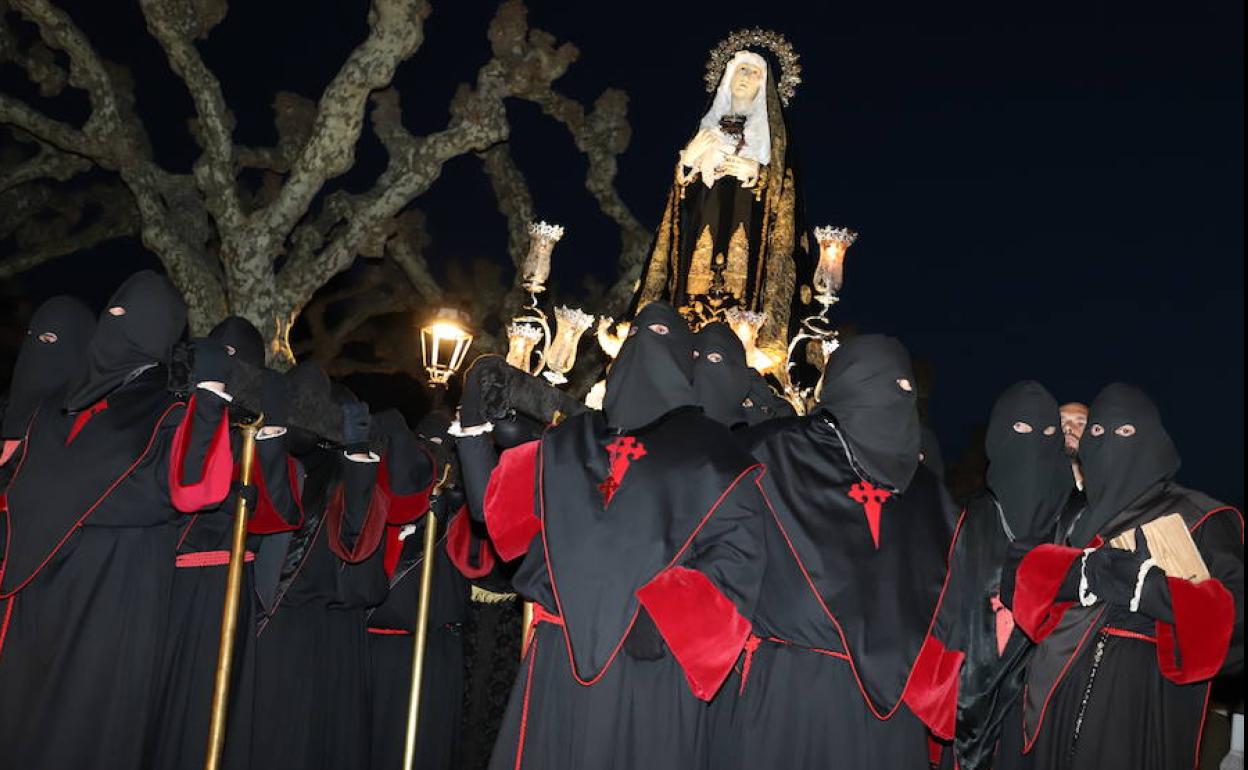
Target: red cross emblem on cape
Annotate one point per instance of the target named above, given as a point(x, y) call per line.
point(872, 499)
point(623, 451)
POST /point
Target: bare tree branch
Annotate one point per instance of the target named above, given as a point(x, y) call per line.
point(67, 221)
point(47, 163)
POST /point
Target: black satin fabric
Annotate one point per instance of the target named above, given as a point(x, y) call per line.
point(599, 556)
point(43, 508)
point(653, 373)
point(154, 318)
point(884, 598)
point(242, 337)
point(991, 682)
point(408, 463)
point(1118, 469)
point(1028, 472)
point(721, 377)
point(44, 368)
point(879, 419)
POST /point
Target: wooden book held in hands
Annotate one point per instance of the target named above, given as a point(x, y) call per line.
point(1172, 547)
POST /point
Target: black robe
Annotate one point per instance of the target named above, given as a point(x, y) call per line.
point(189, 658)
point(846, 665)
point(989, 722)
point(390, 629)
point(680, 538)
point(1145, 706)
point(84, 597)
point(312, 703)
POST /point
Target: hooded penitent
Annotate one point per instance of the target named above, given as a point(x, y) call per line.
point(52, 357)
point(869, 529)
point(868, 388)
point(242, 340)
point(653, 373)
point(1029, 479)
point(138, 328)
point(1124, 453)
point(1028, 472)
point(721, 377)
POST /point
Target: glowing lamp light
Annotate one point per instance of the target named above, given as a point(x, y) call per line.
point(535, 267)
point(444, 343)
point(745, 324)
point(830, 273)
point(611, 335)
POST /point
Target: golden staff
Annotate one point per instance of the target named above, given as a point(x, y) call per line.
point(422, 624)
point(229, 609)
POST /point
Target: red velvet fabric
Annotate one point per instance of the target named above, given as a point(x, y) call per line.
point(217, 471)
point(1194, 648)
point(404, 509)
point(932, 692)
point(1040, 576)
point(393, 548)
point(700, 625)
point(370, 535)
point(460, 545)
point(10, 449)
point(265, 520)
point(509, 501)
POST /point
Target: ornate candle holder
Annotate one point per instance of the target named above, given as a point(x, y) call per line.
point(522, 339)
point(830, 273)
point(535, 267)
point(570, 325)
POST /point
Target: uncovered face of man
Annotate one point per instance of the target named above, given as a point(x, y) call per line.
point(1074, 421)
point(745, 82)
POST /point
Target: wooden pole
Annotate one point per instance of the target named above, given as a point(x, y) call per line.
point(229, 609)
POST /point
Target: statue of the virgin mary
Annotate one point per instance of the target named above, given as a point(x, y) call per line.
point(733, 234)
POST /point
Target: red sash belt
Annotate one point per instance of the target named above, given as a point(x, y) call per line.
point(388, 631)
point(543, 615)
point(208, 559)
point(1125, 634)
point(752, 643)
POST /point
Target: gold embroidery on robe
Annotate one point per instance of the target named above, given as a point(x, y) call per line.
point(737, 272)
point(700, 273)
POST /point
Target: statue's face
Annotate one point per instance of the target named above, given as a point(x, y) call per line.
point(746, 81)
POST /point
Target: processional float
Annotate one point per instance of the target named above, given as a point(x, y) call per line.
point(731, 248)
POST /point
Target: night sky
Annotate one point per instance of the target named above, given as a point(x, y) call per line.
point(1049, 191)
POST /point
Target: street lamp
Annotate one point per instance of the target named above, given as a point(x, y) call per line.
point(444, 343)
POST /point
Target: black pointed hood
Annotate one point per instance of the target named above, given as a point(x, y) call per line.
point(52, 358)
point(721, 376)
point(144, 334)
point(653, 373)
point(878, 418)
point(1124, 453)
point(1028, 472)
point(241, 338)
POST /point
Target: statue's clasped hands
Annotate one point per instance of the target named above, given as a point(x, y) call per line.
point(743, 169)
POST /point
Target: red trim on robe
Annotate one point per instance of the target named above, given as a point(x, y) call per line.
point(459, 547)
point(393, 549)
point(404, 509)
point(266, 520)
point(56, 548)
point(10, 448)
point(509, 513)
point(83, 418)
point(932, 692)
point(700, 625)
point(369, 539)
point(836, 624)
point(1040, 576)
point(1029, 740)
point(4, 626)
point(217, 470)
point(1194, 648)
